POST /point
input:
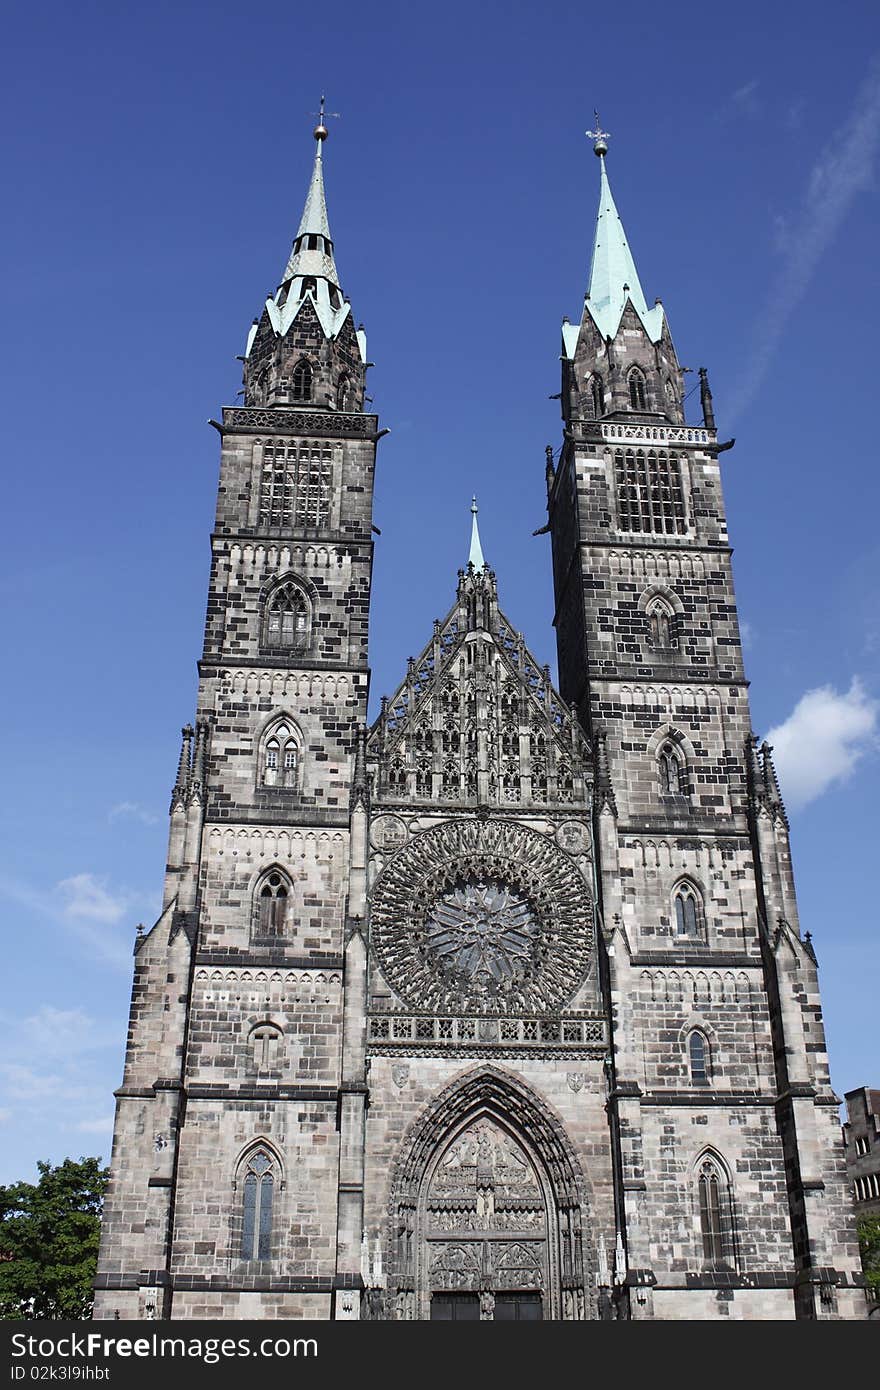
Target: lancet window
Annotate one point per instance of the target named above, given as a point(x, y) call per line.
point(258, 1197)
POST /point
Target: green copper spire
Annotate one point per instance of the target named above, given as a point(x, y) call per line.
point(613, 274)
point(475, 557)
point(310, 275)
point(312, 251)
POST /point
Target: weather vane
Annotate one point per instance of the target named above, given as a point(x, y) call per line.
point(599, 137)
point(320, 131)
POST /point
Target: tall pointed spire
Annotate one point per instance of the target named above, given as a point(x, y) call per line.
point(613, 274)
point(475, 557)
point(309, 288)
point(312, 251)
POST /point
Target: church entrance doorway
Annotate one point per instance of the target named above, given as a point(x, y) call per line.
point(487, 1211)
point(485, 1221)
point(455, 1307)
point(518, 1307)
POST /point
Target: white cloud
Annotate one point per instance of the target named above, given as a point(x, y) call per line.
point(745, 97)
point(60, 1032)
point(845, 169)
point(133, 810)
point(26, 1083)
point(746, 632)
point(87, 897)
point(822, 740)
point(58, 1067)
point(86, 906)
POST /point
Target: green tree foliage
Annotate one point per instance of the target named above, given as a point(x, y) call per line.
point(869, 1245)
point(49, 1241)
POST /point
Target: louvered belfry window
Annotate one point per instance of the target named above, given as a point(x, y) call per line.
point(650, 497)
point(295, 487)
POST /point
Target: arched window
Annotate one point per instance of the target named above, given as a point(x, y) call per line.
point(637, 396)
point(397, 777)
point(272, 903)
point(671, 765)
point(698, 1058)
point(597, 397)
point(451, 778)
point(510, 783)
point(342, 393)
point(564, 782)
point(280, 763)
point(661, 621)
point(687, 911)
point(287, 618)
point(302, 379)
point(258, 1195)
point(716, 1216)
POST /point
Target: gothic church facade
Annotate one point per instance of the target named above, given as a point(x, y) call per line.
point(497, 1008)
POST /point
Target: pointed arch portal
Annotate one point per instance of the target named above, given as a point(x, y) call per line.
point(488, 1210)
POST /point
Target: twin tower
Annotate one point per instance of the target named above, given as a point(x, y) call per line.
point(496, 1008)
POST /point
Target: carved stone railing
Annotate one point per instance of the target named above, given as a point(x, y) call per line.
point(278, 420)
point(393, 1033)
point(619, 432)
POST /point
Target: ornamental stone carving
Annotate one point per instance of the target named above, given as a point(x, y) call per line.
point(388, 833)
point(485, 916)
point(574, 837)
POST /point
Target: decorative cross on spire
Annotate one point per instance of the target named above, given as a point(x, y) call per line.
point(320, 132)
point(599, 137)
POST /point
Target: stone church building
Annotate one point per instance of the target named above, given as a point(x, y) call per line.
point(496, 1008)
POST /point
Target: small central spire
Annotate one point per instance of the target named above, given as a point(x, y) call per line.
point(475, 557)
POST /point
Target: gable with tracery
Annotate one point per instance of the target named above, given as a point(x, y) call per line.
point(477, 720)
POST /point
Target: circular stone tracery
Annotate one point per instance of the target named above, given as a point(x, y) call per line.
point(483, 932)
point(484, 917)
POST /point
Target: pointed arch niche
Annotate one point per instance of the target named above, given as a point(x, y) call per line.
point(488, 1199)
point(279, 761)
point(673, 756)
point(272, 905)
point(663, 612)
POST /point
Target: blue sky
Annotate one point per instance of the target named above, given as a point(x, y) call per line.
point(159, 160)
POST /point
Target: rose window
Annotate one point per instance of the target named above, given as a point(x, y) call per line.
point(484, 917)
point(484, 932)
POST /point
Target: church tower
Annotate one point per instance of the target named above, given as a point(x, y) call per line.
point(731, 1192)
point(238, 1111)
point(498, 1008)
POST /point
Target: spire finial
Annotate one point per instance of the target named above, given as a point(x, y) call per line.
point(599, 137)
point(475, 557)
point(321, 132)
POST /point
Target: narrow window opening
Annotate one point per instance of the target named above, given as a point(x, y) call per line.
point(687, 917)
point(671, 771)
point(272, 905)
point(717, 1232)
point(698, 1054)
point(257, 1202)
point(637, 397)
point(302, 373)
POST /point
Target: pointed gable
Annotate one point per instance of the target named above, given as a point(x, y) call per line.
point(477, 720)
